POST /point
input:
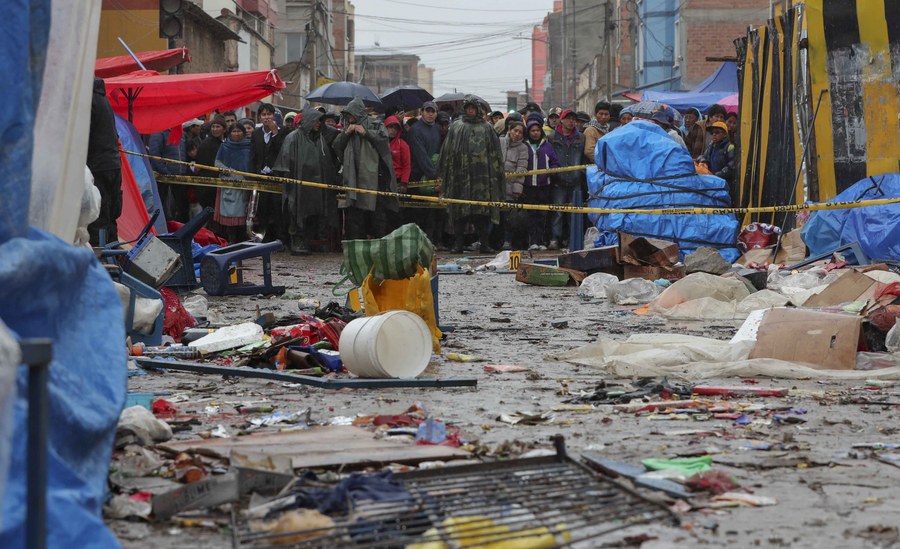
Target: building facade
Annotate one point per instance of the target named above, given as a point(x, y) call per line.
point(381, 72)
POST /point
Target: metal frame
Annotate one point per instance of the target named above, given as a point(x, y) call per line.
point(321, 383)
point(37, 353)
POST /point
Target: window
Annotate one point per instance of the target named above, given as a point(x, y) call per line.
point(294, 44)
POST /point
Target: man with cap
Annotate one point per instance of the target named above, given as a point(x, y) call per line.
point(331, 119)
point(552, 121)
point(496, 116)
point(424, 138)
point(289, 120)
point(581, 120)
point(471, 168)
point(596, 128)
point(568, 143)
point(364, 150)
point(719, 155)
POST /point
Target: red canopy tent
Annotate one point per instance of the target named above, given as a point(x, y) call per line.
point(159, 61)
point(154, 102)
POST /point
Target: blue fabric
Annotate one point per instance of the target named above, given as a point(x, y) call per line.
point(26, 25)
point(51, 289)
point(876, 228)
point(143, 174)
point(720, 84)
point(643, 151)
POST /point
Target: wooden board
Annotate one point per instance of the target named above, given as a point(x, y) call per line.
point(321, 447)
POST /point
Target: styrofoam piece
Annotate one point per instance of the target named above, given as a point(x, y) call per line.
point(229, 337)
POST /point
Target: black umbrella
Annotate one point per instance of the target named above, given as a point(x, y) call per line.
point(457, 100)
point(411, 97)
point(341, 93)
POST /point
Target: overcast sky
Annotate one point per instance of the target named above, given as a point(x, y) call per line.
point(469, 43)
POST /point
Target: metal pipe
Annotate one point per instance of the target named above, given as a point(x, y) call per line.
point(37, 355)
point(131, 53)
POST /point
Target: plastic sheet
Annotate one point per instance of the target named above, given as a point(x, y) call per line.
point(49, 288)
point(637, 153)
point(64, 115)
point(595, 285)
point(876, 228)
point(632, 291)
point(9, 362)
point(695, 358)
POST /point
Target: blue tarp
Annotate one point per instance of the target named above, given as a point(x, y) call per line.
point(640, 167)
point(143, 173)
point(49, 288)
point(720, 84)
point(876, 228)
point(27, 24)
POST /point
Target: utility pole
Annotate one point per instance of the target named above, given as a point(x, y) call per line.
point(574, 60)
point(313, 69)
point(607, 32)
point(632, 25)
point(562, 56)
point(527, 97)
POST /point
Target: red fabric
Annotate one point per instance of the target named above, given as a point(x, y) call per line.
point(887, 289)
point(163, 102)
point(163, 60)
point(134, 213)
point(204, 236)
point(176, 316)
point(399, 153)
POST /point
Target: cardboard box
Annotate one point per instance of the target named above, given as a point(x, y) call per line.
point(791, 251)
point(851, 286)
point(597, 260)
point(646, 251)
point(545, 275)
point(654, 273)
point(823, 340)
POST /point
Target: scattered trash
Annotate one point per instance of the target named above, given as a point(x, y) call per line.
point(632, 291)
point(229, 337)
point(139, 422)
point(595, 285)
point(396, 344)
point(504, 368)
point(713, 482)
point(686, 467)
point(459, 357)
point(431, 431)
point(546, 275)
point(745, 499)
point(526, 418)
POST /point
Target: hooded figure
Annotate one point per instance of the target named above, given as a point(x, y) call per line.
point(471, 167)
point(364, 150)
point(231, 204)
point(105, 164)
point(306, 154)
point(399, 153)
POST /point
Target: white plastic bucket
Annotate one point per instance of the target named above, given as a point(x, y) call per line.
point(396, 344)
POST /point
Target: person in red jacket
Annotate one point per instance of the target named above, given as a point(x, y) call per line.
point(399, 153)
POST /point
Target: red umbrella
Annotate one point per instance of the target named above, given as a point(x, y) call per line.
point(159, 61)
point(154, 102)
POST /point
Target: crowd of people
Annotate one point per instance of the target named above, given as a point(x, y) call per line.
point(437, 152)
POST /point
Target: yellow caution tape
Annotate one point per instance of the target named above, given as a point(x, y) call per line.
point(257, 183)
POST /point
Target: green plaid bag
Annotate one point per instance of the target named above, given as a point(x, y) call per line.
point(393, 257)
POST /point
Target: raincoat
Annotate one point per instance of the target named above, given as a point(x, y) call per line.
point(399, 153)
point(471, 167)
point(367, 161)
point(515, 160)
point(306, 154)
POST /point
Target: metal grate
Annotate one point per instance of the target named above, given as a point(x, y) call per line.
point(555, 498)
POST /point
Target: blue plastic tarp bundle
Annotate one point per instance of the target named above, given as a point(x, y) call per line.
point(876, 228)
point(640, 167)
point(49, 288)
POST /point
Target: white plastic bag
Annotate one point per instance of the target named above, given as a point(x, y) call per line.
point(595, 285)
point(196, 305)
point(699, 285)
point(590, 235)
point(892, 341)
point(632, 291)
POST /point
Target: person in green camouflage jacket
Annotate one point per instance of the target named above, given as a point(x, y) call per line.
point(471, 168)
